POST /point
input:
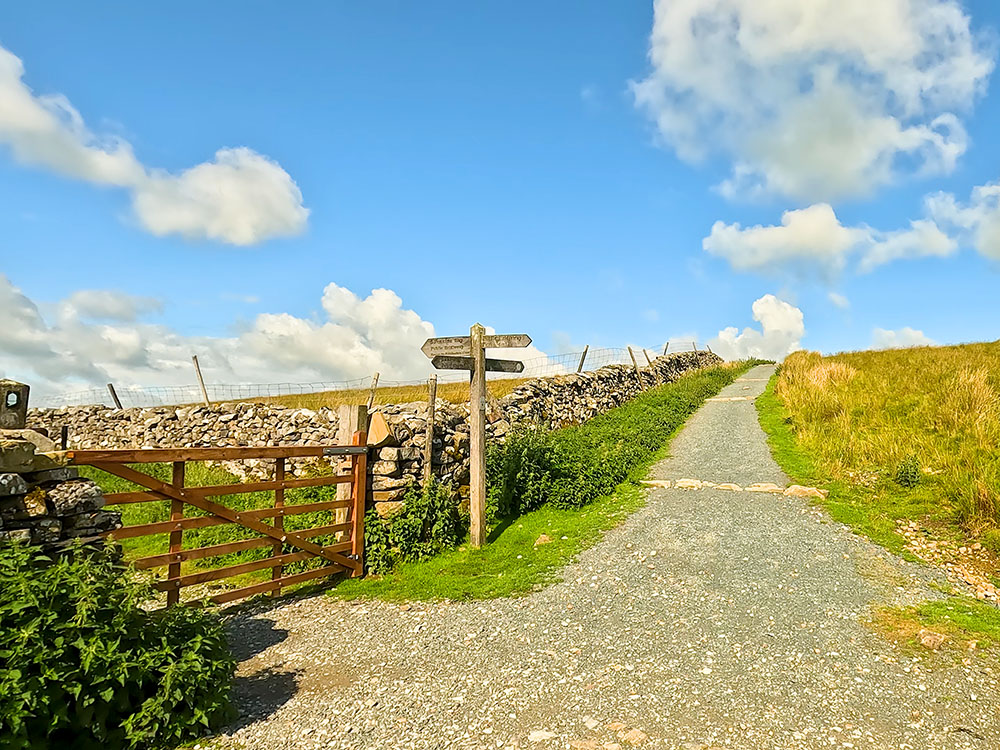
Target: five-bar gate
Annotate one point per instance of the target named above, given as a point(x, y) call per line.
point(345, 555)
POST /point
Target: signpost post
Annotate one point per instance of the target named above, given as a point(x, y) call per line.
point(469, 353)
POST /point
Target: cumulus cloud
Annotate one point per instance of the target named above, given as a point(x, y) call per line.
point(902, 338)
point(977, 221)
point(240, 197)
point(812, 236)
point(814, 100)
point(354, 337)
point(781, 331)
point(814, 240)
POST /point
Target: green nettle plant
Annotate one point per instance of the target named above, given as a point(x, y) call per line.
point(83, 665)
point(908, 472)
point(429, 523)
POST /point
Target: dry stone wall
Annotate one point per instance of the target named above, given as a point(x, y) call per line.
point(555, 401)
point(42, 501)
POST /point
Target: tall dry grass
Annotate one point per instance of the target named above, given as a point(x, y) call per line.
point(863, 413)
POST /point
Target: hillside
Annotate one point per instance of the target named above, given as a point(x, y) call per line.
point(907, 440)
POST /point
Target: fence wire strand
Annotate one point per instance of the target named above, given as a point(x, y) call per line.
point(173, 395)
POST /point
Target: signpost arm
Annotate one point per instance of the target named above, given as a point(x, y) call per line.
point(477, 439)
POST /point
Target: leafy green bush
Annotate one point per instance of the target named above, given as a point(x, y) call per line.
point(571, 467)
point(429, 523)
point(83, 665)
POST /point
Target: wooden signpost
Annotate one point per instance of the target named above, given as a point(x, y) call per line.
point(469, 353)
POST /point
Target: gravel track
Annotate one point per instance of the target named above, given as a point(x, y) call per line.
point(709, 619)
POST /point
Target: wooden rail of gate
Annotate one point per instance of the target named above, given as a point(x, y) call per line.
point(347, 555)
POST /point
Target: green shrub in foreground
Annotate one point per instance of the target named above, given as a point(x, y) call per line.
point(573, 466)
point(82, 665)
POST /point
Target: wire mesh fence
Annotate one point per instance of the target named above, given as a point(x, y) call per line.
point(173, 395)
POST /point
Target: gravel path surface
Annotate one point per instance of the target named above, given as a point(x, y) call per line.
point(709, 619)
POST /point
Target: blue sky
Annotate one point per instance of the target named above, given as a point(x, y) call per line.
point(484, 162)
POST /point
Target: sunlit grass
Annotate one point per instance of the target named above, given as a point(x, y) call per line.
point(859, 416)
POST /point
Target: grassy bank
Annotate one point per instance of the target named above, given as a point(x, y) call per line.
point(911, 433)
point(552, 495)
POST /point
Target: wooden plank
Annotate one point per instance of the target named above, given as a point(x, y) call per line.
point(467, 363)
point(169, 455)
point(261, 588)
point(214, 550)
point(201, 522)
point(432, 387)
point(163, 527)
point(477, 439)
point(204, 576)
point(446, 345)
point(265, 486)
point(173, 584)
point(279, 521)
point(146, 496)
point(176, 543)
point(450, 345)
point(360, 495)
point(242, 518)
point(583, 358)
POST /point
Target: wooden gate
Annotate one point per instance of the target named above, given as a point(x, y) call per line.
point(345, 555)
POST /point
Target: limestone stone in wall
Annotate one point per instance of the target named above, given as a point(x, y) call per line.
point(42, 502)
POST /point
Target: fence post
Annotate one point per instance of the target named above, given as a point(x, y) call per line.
point(695, 345)
point(432, 387)
point(201, 380)
point(359, 492)
point(477, 438)
point(351, 419)
point(371, 394)
point(638, 373)
point(665, 347)
point(583, 358)
point(176, 536)
point(648, 360)
point(114, 396)
point(279, 521)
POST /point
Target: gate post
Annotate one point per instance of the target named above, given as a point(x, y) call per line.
point(359, 492)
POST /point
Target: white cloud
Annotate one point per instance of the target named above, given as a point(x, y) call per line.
point(814, 100)
point(240, 197)
point(354, 338)
point(814, 240)
point(780, 334)
point(103, 304)
point(899, 339)
point(978, 222)
point(812, 236)
point(839, 300)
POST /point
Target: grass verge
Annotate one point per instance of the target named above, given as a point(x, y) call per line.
point(511, 563)
point(962, 621)
point(870, 511)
